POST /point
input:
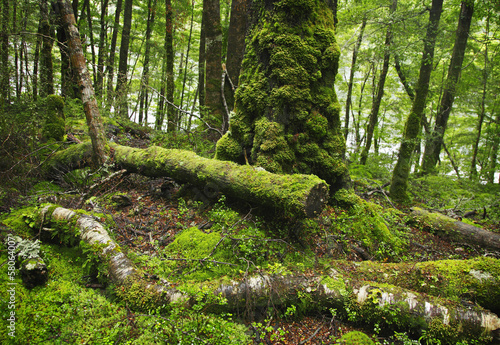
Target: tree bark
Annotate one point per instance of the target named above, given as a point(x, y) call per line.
point(494, 151)
point(380, 88)
point(343, 287)
point(213, 69)
point(102, 50)
point(351, 77)
point(46, 66)
point(286, 118)
point(111, 61)
point(399, 183)
point(238, 26)
point(168, 82)
point(453, 229)
point(143, 93)
point(121, 83)
point(293, 195)
point(433, 145)
point(4, 56)
point(201, 65)
point(78, 63)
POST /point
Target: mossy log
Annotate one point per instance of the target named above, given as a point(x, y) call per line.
point(343, 288)
point(456, 230)
point(293, 195)
point(121, 272)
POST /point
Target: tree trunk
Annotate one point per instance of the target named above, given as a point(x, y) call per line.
point(238, 26)
point(168, 82)
point(91, 36)
point(494, 151)
point(201, 65)
point(78, 63)
point(351, 77)
point(102, 50)
point(299, 195)
point(121, 83)
point(473, 169)
point(450, 228)
point(287, 113)
point(186, 64)
point(213, 37)
point(111, 61)
point(380, 89)
point(399, 183)
point(4, 56)
point(343, 288)
point(46, 66)
point(434, 143)
point(143, 93)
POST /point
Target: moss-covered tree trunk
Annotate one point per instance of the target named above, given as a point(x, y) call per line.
point(413, 123)
point(456, 230)
point(79, 65)
point(292, 195)
point(46, 66)
point(286, 116)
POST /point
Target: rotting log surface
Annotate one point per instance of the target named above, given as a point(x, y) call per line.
point(450, 228)
point(292, 195)
point(373, 302)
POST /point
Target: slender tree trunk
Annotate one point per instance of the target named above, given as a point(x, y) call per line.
point(111, 61)
point(46, 66)
point(121, 84)
point(201, 65)
point(102, 49)
point(473, 170)
point(5, 75)
point(433, 145)
point(413, 124)
point(494, 151)
point(36, 60)
point(92, 44)
point(380, 89)
point(74, 5)
point(169, 49)
point(213, 32)
point(143, 96)
point(351, 77)
point(238, 26)
point(179, 114)
point(16, 51)
point(78, 63)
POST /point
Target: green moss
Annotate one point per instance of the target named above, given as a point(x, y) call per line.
point(54, 127)
point(355, 338)
point(287, 112)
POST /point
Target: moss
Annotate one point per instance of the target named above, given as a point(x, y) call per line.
point(54, 127)
point(355, 338)
point(287, 112)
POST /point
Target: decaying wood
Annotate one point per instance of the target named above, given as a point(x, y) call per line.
point(291, 195)
point(447, 227)
point(374, 302)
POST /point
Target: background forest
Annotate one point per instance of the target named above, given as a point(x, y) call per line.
point(417, 85)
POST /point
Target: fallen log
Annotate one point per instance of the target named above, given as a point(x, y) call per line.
point(456, 230)
point(294, 195)
point(357, 300)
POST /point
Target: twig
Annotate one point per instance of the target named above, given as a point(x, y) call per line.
point(312, 336)
point(187, 112)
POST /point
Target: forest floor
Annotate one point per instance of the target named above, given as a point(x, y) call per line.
point(149, 213)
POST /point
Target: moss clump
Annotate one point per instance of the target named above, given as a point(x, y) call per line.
point(287, 112)
point(54, 127)
point(355, 338)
